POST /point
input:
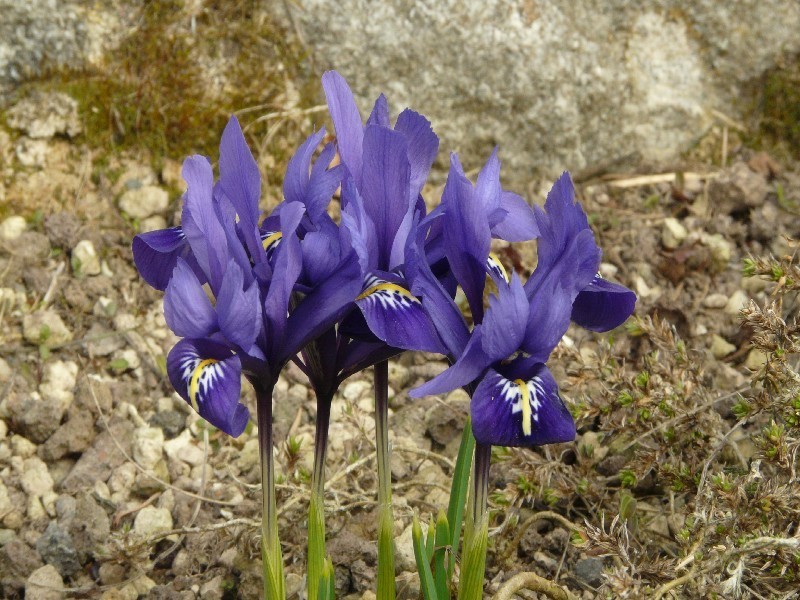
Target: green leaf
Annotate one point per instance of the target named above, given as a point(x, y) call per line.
point(316, 546)
point(458, 492)
point(326, 581)
point(423, 566)
point(440, 555)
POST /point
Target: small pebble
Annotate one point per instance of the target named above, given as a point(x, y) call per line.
point(736, 302)
point(673, 233)
point(12, 227)
point(715, 301)
point(84, 259)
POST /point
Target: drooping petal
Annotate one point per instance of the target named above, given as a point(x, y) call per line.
point(518, 224)
point(524, 412)
point(200, 220)
point(155, 254)
point(187, 309)
point(397, 317)
point(240, 180)
point(470, 365)
point(207, 375)
point(346, 121)
point(423, 144)
point(603, 305)
point(385, 185)
point(239, 308)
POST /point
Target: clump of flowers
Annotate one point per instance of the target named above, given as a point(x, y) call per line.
point(248, 293)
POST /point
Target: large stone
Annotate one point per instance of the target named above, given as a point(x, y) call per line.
point(558, 84)
point(100, 460)
point(45, 327)
point(56, 548)
point(44, 115)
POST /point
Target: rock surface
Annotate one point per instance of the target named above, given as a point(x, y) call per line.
point(556, 84)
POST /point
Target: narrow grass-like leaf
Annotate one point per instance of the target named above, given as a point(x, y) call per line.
point(386, 581)
point(440, 557)
point(430, 542)
point(423, 564)
point(458, 492)
point(473, 565)
point(326, 581)
point(316, 544)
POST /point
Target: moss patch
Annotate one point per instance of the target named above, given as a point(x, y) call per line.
point(776, 108)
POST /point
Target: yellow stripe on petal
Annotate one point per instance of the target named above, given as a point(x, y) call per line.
point(496, 265)
point(194, 382)
point(525, 405)
point(271, 240)
point(386, 287)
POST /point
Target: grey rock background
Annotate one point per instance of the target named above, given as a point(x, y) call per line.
point(556, 84)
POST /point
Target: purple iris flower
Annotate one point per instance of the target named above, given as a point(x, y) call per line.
point(232, 291)
point(515, 400)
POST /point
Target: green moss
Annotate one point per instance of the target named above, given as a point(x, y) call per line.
point(776, 108)
point(152, 96)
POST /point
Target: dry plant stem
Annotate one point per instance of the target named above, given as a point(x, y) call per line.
point(534, 583)
point(386, 588)
point(520, 532)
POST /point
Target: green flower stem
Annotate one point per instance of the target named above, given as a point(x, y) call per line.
point(274, 587)
point(386, 589)
point(316, 507)
point(476, 536)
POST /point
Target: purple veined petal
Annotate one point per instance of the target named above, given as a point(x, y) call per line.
point(321, 255)
point(346, 121)
point(237, 252)
point(603, 305)
point(380, 113)
point(397, 317)
point(385, 185)
point(240, 179)
point(323, 184)
point(208, 376)
point(324, 306)
point(239, 308)
point(200, 220)
point(187, 309)
point(548, 320)
point(524, 412)
point(436, 301)
point(295, 183)
point(518, 224)
point(487, 187)
point(505, 320)
point(470, 366)
point(288, 266)
point(467, 238)
point(155, 254)
point(358, 228)
point(423, 144)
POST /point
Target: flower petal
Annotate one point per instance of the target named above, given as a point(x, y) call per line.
point(519, 222)
point(423, 144)
point(385, 185)
point(346, 122)
point(380, 113)
point(470, 365)
point(208, 376)
point(396, 317)
point(523, 412)
point(187, 309)
point(602, 305)
point(295, 183)
point(505, 320)
point(155, 254)
point(239, 309)
point(240, 180)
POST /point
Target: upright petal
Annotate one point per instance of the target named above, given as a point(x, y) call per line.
point(487, 186)
point(602, 305)
point(200, 220)
point(346, 121)
point(380, 113)
point(505, 320)
point(295, 183)
point(358, 228)
point(524, 412)
point(385, 185)
point(467, 237)
point(187, 309)
point(240, 180)
point(423, 144)
point(208, 376)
